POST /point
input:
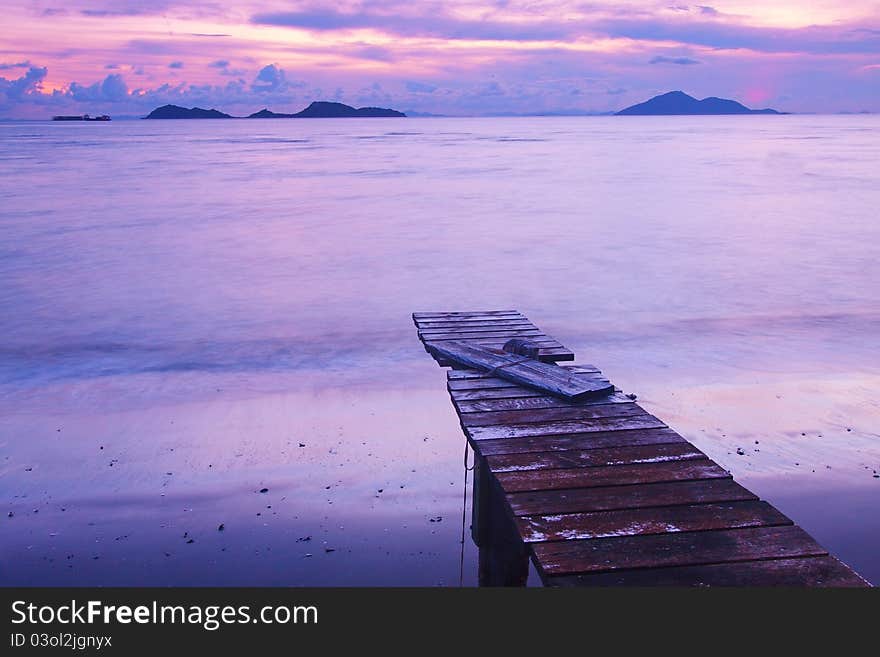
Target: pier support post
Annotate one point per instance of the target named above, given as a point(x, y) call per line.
point(503, 557)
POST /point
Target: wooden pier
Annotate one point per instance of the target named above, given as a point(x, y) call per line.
point(602, 493)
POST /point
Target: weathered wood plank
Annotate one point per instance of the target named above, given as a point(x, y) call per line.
point(655, 520)
point(545, 355)
point(594, 440)
point(509, 392)
point(537, 415)
point(464, 314)
point(683, 549)
point(479, 374)
point(531, 403)
point(526, 329)
point(496, 342)
point(475, 325)
point(432, 336)
point(615, 475)
point(645, 421)
point(555, 380)
point(627, 497)
point(799, 571)
point(680, 451)
point(482, 384)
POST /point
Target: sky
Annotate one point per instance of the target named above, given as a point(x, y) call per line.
point(465, 57)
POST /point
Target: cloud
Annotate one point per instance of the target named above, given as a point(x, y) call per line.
point(112, 89)
point(683, 61)
point(28, 84)
point(420, 87)
point(111, 8)
point(220, 63)
point(9, 67)
point(708, 11)
point(439, 24)
point(175, 64)
point(270, 78)
point(815, 39)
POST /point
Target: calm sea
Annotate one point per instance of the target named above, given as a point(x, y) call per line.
point(194, 311)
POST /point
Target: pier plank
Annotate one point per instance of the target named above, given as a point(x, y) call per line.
point(643, 421)
point(674, 549)
point(613, 475)
point(627, 497)
point(575, 441)
point(568, 412)
point(654, 520)
point(484, 405)
point(582, 458)
point(800, 571)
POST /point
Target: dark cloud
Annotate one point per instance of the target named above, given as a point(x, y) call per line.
point(682, 61)
point(106, 8)
point(420, 87)
point(175, 64)
point(9, 67)
point(375, 53)
point(220, 63)
point(439, 25)
point(698, 27)
point(272, 79)
point(27, 84)
point(814, 39)
point(111, 89)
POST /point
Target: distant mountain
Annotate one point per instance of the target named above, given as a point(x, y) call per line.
point(678, 102)
point(176, 112)
point(327, 110)
point(317, 110)
point(268, 114)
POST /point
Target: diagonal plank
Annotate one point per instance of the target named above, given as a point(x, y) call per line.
point(522, 370)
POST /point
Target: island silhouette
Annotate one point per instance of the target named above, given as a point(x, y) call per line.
point(679, 103)
point(316, 110)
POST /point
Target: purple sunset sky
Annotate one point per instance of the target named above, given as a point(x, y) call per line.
point(125, 57)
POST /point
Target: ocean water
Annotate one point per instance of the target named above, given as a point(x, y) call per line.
point(194, 311)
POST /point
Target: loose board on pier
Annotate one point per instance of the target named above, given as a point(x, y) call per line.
point(602, 493)
point(553, 380)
